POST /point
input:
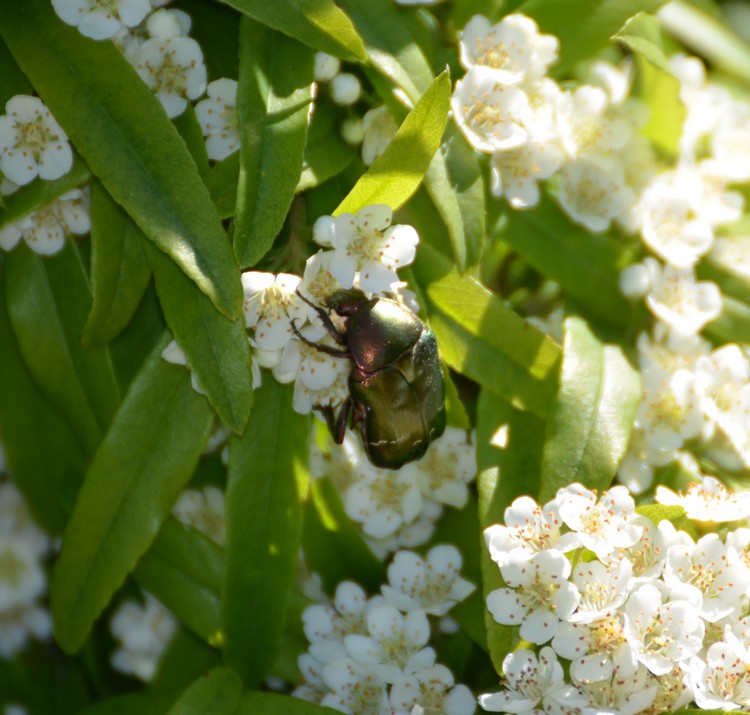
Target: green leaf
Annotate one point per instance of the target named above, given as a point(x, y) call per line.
point(275, 93)
point(215, 693)
point(184, 569)
point(189, 129)
point(389, 45)
point(662, 512)
point(48, 300)
point(221, 180)
point(733, 323)
point(144, 461)
point(185, 658)
point(397, 173)
point(657, 87)
point(642, 35)
point(258, 703)
point(266, 485)
point(483, 339)
point(454, 182)
point(42, 453)
point(583, 26)
point(38, 194)
point(318, 23)
point(216, 347)
point(587, 267)
point(119, 270)
point(509, 449)
point(590, 421)
point(697, 711)
point(150, 173)
point(12, 80)
point(334, 547)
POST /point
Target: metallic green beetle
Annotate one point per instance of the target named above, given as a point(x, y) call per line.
point(396, 392)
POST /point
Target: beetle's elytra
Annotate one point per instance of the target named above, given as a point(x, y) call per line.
point(396, 391)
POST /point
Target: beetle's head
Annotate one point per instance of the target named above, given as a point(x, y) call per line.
point(347, 301)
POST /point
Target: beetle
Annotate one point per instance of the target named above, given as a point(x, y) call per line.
point(396, 391)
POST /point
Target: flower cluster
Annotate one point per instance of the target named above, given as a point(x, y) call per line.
point(362, 251)
point(646, 617)
point(398, 508)
point(23, 578)
point(371, 655)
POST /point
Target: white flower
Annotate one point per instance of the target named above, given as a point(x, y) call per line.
point(382, 500)
point(662, 634)
point(679, 300)
point(32, 143)
point(18, 624)
point(533, 686)
point(395, 644)
point(326, 626)
point(722, 681)
point(354, 689)
point(306, 398)
point(174, 71)
point(539, 596)
point(600, 525)
point(101, 20)
point(326, 67)
point(367, 248)
point(143, 632)
point(270, 306)
point(446, 469)
point(314, 688)
point(515, 172)
point(379, 128)
point(164, 24)
point(626, 693)
point(731, 143)
point(491, 116)
point(318, 282)
point(431, 689)
point(596, 649)
point(635, 281)
point(315, 368)
point(513, 48)
point(345, 89)
point(432, 584)
point(16, 520)
point(587, 127)
point(732, 253)
point(217, 115)
point(44, 231)
point(593, 193)
point(708, 500)
point(529, 529)
point(603, 589)
point(203, 510)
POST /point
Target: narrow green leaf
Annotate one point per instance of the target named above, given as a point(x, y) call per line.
point(334, 547)
point(590, 421)
point(266, 485)
point(318, 23)
point(216, 347)
point(161, 426)
point(389, 45)
point(38, 194)
point(151, 174)
point(642, 35)
point(481, 338)
point(215, 693)
point(42, 453)
point(221, 181)
point(583, 26)
point(397, 173)
point(586, 267)
point(12, 80)
point(509, 448)
point(258, 703)
point(275, 93)
point(48, 300)
point(119, 270)
point(184, 569)
point(454, 182)
point(189, 129)
point(733, 323)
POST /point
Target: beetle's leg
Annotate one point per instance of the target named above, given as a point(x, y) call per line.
point(336, 352)
point(337, 424)
point(333, 331)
